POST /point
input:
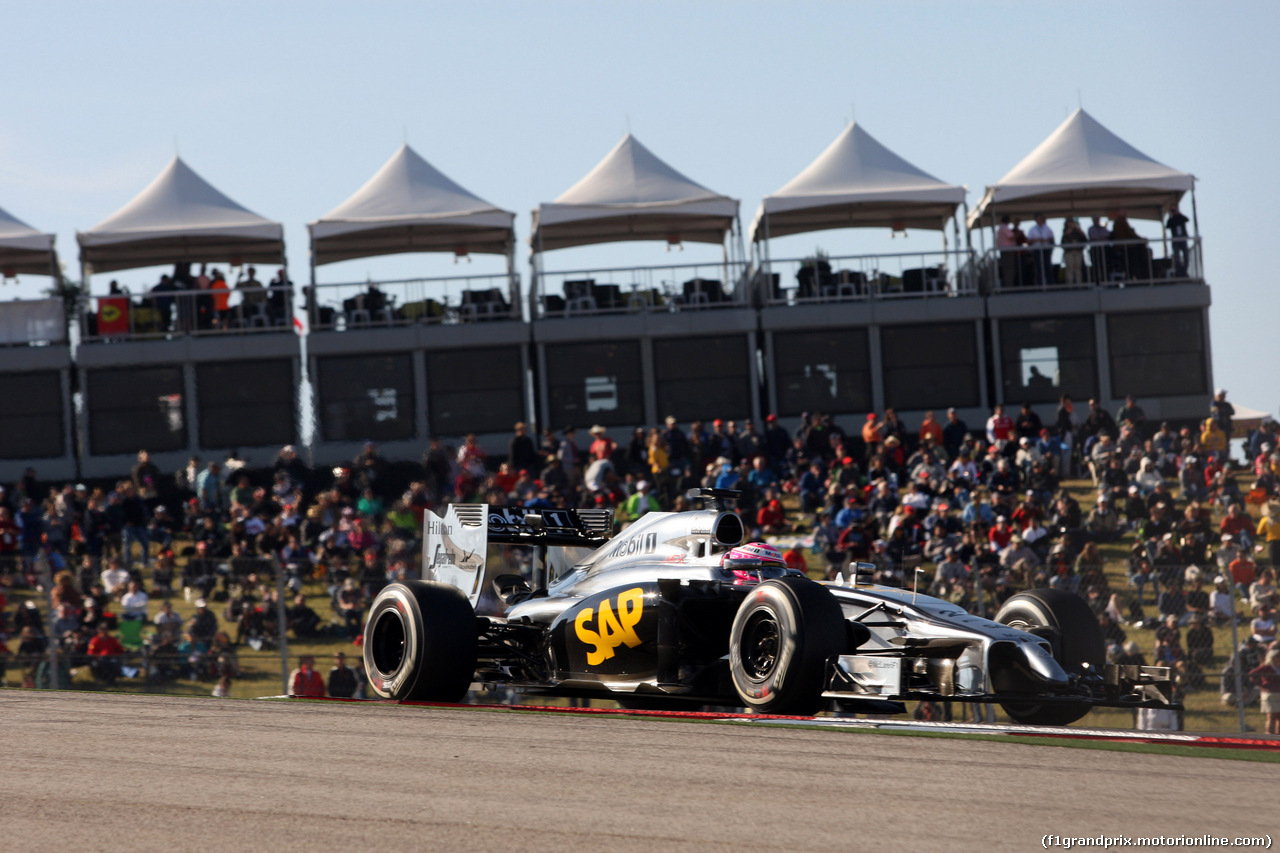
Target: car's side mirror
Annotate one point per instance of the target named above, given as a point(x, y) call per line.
point(852, 570)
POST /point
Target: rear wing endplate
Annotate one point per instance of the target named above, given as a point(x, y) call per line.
point(455, 545)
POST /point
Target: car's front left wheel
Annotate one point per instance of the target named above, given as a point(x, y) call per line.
point(420, 642)
point(782, 637)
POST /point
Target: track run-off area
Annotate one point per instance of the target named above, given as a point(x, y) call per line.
point(128, 772)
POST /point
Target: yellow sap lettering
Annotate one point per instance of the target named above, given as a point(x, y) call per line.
point(614, 630)
point(610, 630)
point(630, 609)
point(591, 638)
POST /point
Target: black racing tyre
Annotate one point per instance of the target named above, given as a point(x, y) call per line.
point(420, 642)
point(782, 636)
point(1074, 636)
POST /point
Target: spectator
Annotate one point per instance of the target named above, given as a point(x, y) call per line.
point(1223, 413)
point(999, 428)
point(305, 681)
point(872, 434)
point(1200, 640)
point(640, 502)
point(167, 620)
point(1263, 626)
point(350, 604)
point(1269, 532)
point(953, 433)
point(1267, 676)
point(133, 603)
point(1008, 239)
point(105, 653)
point(1073, 242)
point(304, 621)
point(203, 625)
point(1040, 237)
point(342, 678)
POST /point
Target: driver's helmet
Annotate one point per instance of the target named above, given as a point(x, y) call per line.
point(753, 562)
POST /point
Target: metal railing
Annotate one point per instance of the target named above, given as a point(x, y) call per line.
point(622, 290)
point(1115, 263)
point(904, 275)
point(447, 300)
point(151, 315)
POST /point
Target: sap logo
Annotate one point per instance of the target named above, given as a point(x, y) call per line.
point(611, 630)
point(645, 543)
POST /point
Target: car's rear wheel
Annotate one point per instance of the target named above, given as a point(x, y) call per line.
point(1066, 621)
point(782, 637)
point(420, 642)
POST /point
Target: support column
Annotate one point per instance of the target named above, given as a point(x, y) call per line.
point(877, 368)
point(1103, 347)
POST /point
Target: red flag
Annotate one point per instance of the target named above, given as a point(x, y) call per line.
point(113, 315)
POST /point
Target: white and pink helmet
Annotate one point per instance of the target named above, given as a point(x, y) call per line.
point(753, 561)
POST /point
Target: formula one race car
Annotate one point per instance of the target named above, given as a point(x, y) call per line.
point(678, 613)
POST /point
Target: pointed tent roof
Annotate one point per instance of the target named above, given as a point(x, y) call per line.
point(1083, 168)
point(633, 195)
point(857, 183)
point(410, 206)
point(180, 217)
point(23, 249)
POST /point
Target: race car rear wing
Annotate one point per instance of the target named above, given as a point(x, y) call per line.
point(584, 528)
point(455, 546)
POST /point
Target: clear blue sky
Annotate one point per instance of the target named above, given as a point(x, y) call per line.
point(288, 107)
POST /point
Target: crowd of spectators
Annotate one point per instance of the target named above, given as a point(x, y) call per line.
point(189, 301)
point(1115, 251)
point(972, 514)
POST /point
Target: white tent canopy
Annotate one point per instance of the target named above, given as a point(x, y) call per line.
point(633, 195)
point(180, 217)
point(410, 206)
point(23, 249)
point(1247, 418)
point(1085, 169)
point(857, 183)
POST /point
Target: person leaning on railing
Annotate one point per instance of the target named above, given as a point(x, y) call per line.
point(1073, 242)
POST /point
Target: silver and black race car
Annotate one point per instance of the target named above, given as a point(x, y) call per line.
point(675, 613)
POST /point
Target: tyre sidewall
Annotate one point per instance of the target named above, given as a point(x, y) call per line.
point(395, 602)
point(811, 629)
point(781, 606)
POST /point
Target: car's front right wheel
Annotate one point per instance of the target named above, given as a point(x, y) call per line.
point(420, 642)
point(1073, 634)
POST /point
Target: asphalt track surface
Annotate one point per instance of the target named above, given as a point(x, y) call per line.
point(141, 773)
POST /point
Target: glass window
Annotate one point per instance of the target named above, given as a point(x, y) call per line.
point(135, 408)
point(1044, 358)
point(822, 371)
point(246, 403)
point(365, 397)
point(34, 430)
point(1160, 354)
point(930, 367)
point(594, 383)
point(475, 390)
point(703, 378)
